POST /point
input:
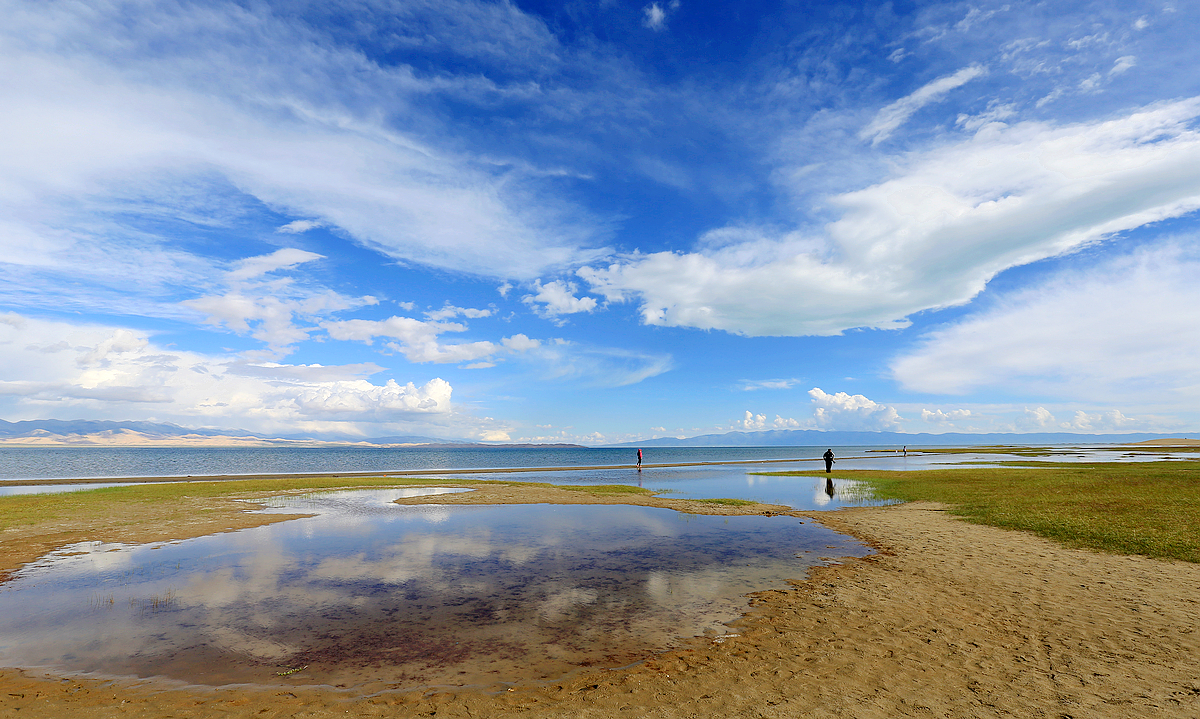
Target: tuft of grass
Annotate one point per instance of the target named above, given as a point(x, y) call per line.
point(727, 502)
point(1021, 451)
point(1147, 508)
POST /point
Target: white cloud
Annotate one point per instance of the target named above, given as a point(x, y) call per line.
point(1119, 331)
point(655, 15)
point(71, 371)
point(844, 411)
point(938, 416)
point(1122, 64)
point(1101, 421)
point(416, 340)
point(283, 259)
point(450, 312)
point(896, 114)
point(932, 236)
point(117, 102)
point(268, 310)
point(1090, 82)
point(359, 399)
point(296, 227)
point(753, 421)
point(558, 298)
point(1039, 418)
point(996, 112)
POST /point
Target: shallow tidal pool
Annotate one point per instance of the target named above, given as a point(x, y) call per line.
point(368, 595)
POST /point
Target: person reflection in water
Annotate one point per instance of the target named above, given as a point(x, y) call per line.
point(829, 487)
point(828, 460)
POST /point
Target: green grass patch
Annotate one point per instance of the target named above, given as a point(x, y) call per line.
point(34, 509)
point(1147, 508)
point(39, 508)
point(727, 502)
point(996, 449)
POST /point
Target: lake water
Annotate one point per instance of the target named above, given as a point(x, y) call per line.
point(686, 472)
point(370, 596)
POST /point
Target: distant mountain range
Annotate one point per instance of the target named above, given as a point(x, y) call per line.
point(816, 437)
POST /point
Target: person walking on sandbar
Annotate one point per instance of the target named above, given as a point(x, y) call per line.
point(828, 460)
point(639, 458)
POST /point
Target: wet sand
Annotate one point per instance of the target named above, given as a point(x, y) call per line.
point(947, 619)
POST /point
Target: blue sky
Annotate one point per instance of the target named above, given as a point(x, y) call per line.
point(601, 221)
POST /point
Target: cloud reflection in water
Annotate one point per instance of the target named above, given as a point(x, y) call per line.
point(373, 595)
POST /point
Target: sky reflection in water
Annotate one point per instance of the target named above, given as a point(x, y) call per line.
point(373, 595)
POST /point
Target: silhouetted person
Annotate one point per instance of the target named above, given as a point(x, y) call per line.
point(828, 460)
point(639, 458)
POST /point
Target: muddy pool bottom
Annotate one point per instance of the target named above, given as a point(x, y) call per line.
point(371, 596)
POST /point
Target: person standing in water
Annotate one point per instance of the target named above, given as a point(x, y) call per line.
point(828, 460)
point(639, 458)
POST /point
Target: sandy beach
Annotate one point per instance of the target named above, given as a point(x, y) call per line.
point(946, 619)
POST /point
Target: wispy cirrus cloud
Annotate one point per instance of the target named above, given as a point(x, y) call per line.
point(890, 118)
point(302, 133)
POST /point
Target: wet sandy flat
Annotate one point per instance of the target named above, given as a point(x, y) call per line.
point(948, 619)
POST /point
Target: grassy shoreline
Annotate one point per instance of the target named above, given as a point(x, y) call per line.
point(1144, 508)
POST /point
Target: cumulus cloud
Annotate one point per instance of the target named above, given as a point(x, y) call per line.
point(1039, 418)
point(1101, 421)
point(558, 298)
point(753, 421)
point(359, 399)
point(842, 411)
point(939, 416)
point(54, 368)
point(896, 114)
point(1108, 332)
point(932, 236)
